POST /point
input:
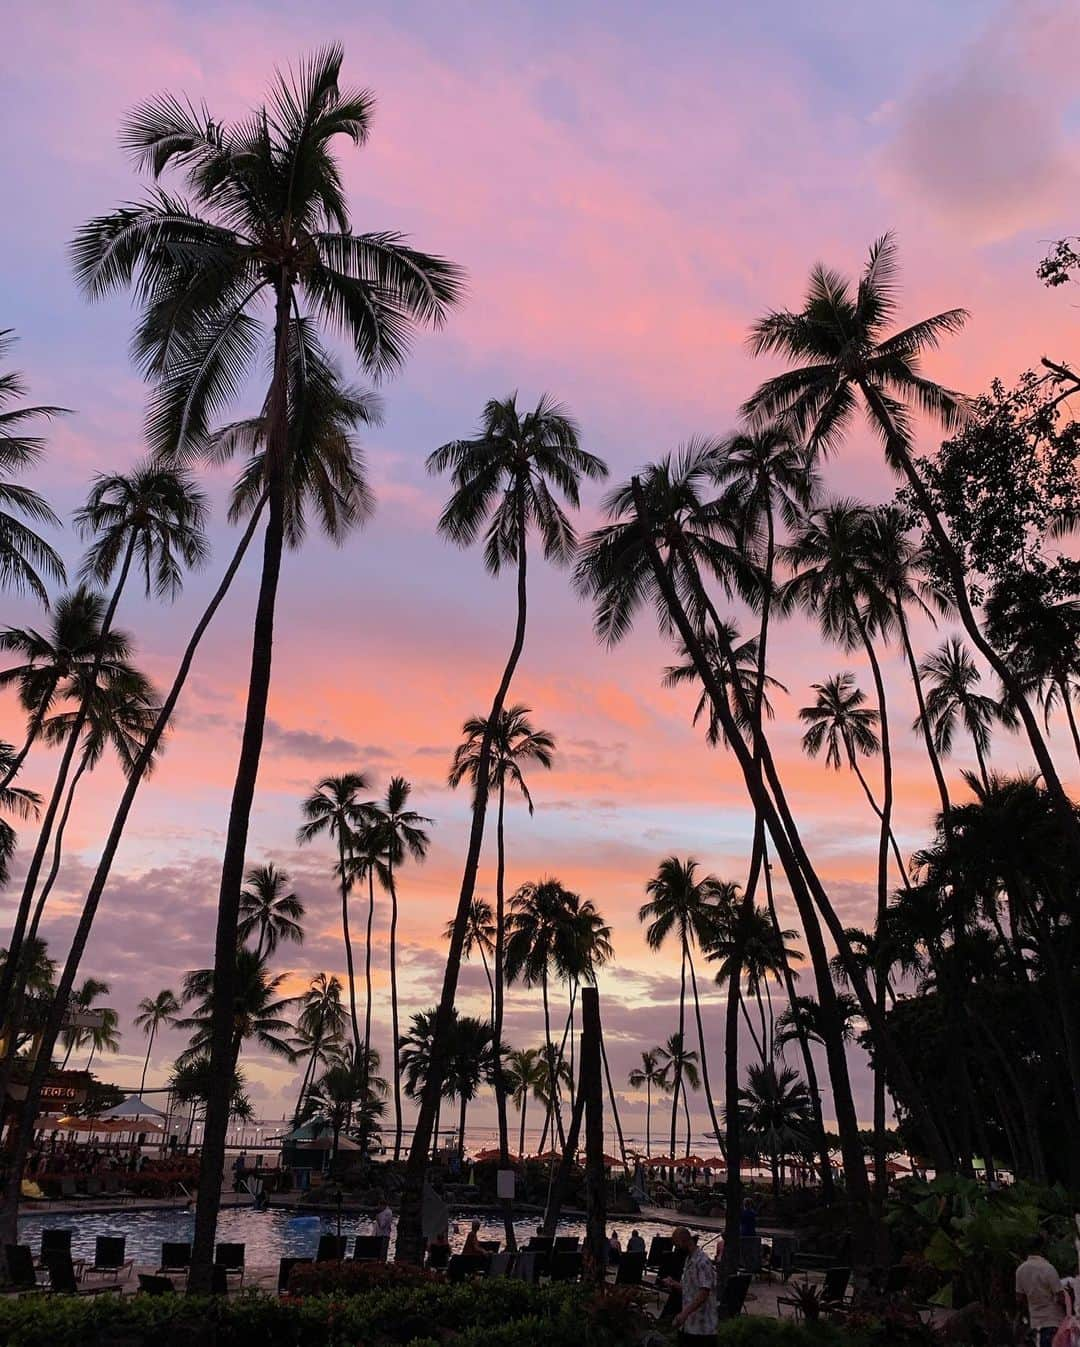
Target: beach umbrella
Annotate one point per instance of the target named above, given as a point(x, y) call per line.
point(132, 1107)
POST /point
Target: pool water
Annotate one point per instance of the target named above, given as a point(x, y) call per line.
point(270, 1235)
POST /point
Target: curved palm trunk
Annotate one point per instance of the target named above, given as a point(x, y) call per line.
point(1066, 702)
point(924, 719)
point(498, 996)
point(348, 952)
point(409, 1240)
point(490, 983)
point(701, 1048)
point(554, 1061)
point(305, 1084)
point(955, 567)
point(222, 1057)
point(58, 851)
point(758, 1044)
point(367, 965)
point(648, 1117)
point(146, 1061)
point(677, 1072)
point(521, 1132)
point(853, 763)
point(395, 1059)
point(461, 1126)
point(614, 1105)
point(686, 1112)
point(980, 758)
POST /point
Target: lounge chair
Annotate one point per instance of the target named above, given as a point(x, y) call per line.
point(465, 1265)
point(834, 1289)
point(54, 1241)
point(94, 1187)
point(502, 1264)
point(733, 1296)
point(63, 1281)
point(566, 1244)
point(438, 1255)
point(750, 1253)
point(527, 1265)
point(20, 1268)
point(230, 1258)
point(630, 1270)
point(661, 1245)
point(331, 1248)
point(369, 1249)
point(782, 1255)
point(109, 1256)
point(540, 1244)
point(489, 1245)
point(285, 1267)
point(112, 1187)
point(175, 1256)
point(151, 1284)
point(564, 1265)
point(69, 1192)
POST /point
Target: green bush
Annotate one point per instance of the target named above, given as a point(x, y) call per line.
point(350, 1278)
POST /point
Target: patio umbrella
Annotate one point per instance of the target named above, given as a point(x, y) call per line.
point(104, 1126)
point(132, 1107)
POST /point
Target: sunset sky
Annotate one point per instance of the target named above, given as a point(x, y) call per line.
point(628, 187)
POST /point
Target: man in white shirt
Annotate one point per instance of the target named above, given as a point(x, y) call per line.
point(384, 1224)
point(1038, 1290)
point(696, 1321)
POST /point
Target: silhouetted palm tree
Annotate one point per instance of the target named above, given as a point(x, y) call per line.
point(319, 1029)
point(678, 1064)
point(650, 1073)
point(153, 1012)
point(777, 1113)
point(257, 1010)
point(25, 557)
point(953, 697)
point(480, 936)
point(334, 808)
point(268, 912)
point(266, 229)
point(526, 1077)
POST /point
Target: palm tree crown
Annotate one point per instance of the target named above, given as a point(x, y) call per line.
point(268, 911)
point(514, 741)
point(840, 722)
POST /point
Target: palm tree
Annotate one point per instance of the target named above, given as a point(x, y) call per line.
point(365, 861)
point(844, 357)
point(319, 1029)
point(334, 808)
point(650, 1073)
point(153, 1012)
point(471, 1064)
point(24, 555)
point(257, 1010)
point(777, 1113)
point(539, 931)
point(803, 1015)
point(266, 228)
point(103, 1037)
point(399, 832)
point(191, 1080)
point(479, 936)
point(268, 912)
point(415, 1051)
point(506, 478)
point(81, 999)
point(683, 905)
point(678, 1064)
point(514, 742)
point(335, 1094)
point(745, 942)
point(526, 1077)
point(840, 722)
point(953, 697)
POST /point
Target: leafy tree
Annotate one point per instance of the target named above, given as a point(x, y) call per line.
point(83, 999)
point(257, 1011)
point(480, 936)
point(953, 697)
point(678, 1063)
point(777, 1113)
point(320, 1026)
point(650, 1073)
point(525, 1077)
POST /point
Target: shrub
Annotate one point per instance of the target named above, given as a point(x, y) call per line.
point(351, 1278)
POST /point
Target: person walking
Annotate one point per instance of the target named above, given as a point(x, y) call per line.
point(696, 1321)
point(1039, 1292)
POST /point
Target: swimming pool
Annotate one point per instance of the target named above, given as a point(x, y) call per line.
point(268, 1235)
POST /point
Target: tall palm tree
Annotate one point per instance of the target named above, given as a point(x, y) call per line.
point(264, 229)
point(398, 832)
point(678, 1064)
point(526, 1077)
point(479, 937)
point(153, 1012)
point(684, 905)
point(513, 743)
point(539, 928)
point(844, 357)
point(840, 722)
point(334, 808)
point(366, 860)
point(82, 998)
point(268, 911)
point(26, 559)
point(506, 480)
point(320, 1026)
point(103, 1037)
point(953, 697)
point(650, 1073)
point(471, 1065)
point(746, 943)
point(120, 715)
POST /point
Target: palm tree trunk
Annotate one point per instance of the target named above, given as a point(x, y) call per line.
point(924, 719)
point(554, 1110)
point(1066, 702)
point(58, 850)
point(348, 953)
point(614, 1105)
point(247, 771)
point(677, 1072)
point(490, 983)
point(89, 1060)
point(409, 1239)
point(367, 965)
point(984, 775)
point(733, 1122)
point(461, 1126)
point(701, 1049)
point(648, 1117)
point(146, 1062)
point(955, 567)
point(753, 1032)
point(521, 1133)
point(498, 996)
point(394, 1002)
point(305, 1082)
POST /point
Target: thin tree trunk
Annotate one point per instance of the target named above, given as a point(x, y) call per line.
point(348, 952)
point(521, 1133)
point(367, 964)
point(58, 851)
point(394, 1002)
point(409, 1236)
point(750, 1026)
point(614, 1106)
point(1066, 702)
point(924, 719)
point(146, 1062)
point(498, 997)
point(701, 1049)
point(43, 1062)
point(677, 1065)
point(648, 1118)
